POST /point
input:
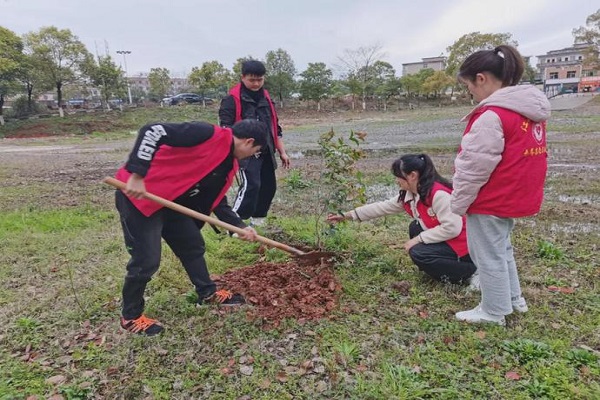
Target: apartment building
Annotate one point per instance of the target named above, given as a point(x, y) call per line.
point(434, 63)
point(564, 71)
point(141, 83)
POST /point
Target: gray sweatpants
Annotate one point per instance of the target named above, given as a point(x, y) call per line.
point(490, 248)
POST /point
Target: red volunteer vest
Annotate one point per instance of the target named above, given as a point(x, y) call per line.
point(459, 243)
point(516, 187)
point(236, 93)
point(175, 169)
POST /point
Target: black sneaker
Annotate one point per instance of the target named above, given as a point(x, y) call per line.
point(142, 326)
point(223, 297)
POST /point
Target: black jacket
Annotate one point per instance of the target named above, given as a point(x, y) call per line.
point(251, 109)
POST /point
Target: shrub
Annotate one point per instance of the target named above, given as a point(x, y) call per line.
point(22, 108)
point(343, 180)
point(295, 180)
point(580, 357)
point(527, 350)
point(549, 251)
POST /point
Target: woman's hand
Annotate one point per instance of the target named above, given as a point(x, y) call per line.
point(335, 218)
point(410, 243)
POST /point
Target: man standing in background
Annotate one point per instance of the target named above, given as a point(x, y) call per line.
point(249, 100)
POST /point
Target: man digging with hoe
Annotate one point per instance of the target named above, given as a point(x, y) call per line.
point(192, 164)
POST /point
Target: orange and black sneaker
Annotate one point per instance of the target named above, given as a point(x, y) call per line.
point(142, 326)
point(223, 297)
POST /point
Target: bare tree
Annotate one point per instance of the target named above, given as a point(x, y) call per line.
point(358, 64)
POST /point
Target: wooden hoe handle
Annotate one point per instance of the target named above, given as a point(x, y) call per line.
point(202, 217)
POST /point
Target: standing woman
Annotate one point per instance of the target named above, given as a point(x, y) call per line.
point(438, 242)
point(499, 173)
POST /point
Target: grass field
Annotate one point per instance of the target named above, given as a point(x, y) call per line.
point(62, 265)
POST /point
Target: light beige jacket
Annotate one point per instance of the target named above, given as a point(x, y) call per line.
point(482, 147)
point(450, 224)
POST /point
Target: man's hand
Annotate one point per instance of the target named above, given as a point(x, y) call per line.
point(249, 234)
point(285, 159)
point(135, 186)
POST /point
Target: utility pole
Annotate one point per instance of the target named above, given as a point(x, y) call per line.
point(125, 52)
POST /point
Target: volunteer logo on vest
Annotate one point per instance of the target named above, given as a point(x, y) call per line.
point(538, 133)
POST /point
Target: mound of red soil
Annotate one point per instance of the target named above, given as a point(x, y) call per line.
point(290, 290)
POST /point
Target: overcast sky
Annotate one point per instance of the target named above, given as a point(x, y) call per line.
point(181, 34)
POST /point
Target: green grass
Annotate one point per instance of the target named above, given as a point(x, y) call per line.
point(379, 345)
point(102, 125)
point(578, 124)
point(62, 266)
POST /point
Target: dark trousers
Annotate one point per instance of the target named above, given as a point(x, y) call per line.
point(438, 260)
point(143, 241)
point(257, 187)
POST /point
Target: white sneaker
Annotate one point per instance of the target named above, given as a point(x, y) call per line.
point(257, 221)
point(478, 316)
point(474, 284)
point(520, 305)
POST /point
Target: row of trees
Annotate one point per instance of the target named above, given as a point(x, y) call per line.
point(52, 59)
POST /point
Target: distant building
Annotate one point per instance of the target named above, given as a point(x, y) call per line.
point(142, 83)
point(74, 96)
point(434, 63)
point(564, 71)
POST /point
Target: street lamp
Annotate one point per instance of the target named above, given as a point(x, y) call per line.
point(125, 52)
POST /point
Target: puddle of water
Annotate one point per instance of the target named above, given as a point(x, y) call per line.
point(32, 149)
point(380, 192)
point(579, 199)
point(563, 227)
point(576, 166)
point(574, 228)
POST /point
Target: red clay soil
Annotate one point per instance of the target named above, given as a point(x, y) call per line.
point(303, 291)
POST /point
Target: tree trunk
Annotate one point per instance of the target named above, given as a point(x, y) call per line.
point(1, 105)
point(29, 97)
point(105, 98)
point(61, 112)
point(318, 105)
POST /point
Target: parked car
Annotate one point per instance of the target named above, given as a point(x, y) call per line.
point(187, 98)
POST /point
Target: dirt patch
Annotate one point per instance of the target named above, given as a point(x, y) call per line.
point(65, 128)
point(277, 291)
point(31, 131)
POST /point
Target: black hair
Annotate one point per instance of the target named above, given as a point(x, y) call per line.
point(427, 174)
point(504, 62)
point(251, 129)
point(253, 67)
